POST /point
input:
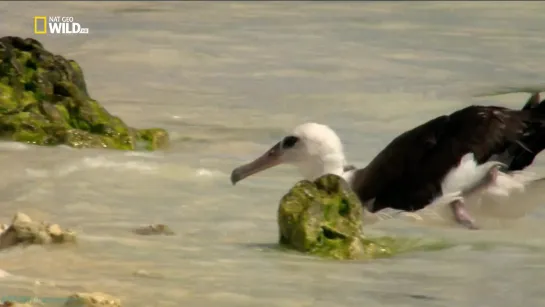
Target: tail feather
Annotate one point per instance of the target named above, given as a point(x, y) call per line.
point(532, 102)
point(523, 152)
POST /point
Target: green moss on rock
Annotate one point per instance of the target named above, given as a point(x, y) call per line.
point(154, 138)
point(324, 218)
point(44, 101)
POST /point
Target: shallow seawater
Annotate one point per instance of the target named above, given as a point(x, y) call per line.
point(228, 80)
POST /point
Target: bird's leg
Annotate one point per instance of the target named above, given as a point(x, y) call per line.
point(458, 207)
point(461, 215)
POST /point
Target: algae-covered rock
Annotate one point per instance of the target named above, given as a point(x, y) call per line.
point(95, 299)
point(155, 229)
point(154, 138)
point(44, 101)
point(324, 218)
point(24, 231)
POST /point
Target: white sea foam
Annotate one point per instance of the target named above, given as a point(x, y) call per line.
point(204, 172)
point(4, 274)
point(14, 146)
point(87, 163)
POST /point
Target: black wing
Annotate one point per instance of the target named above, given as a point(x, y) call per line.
point(407, 174)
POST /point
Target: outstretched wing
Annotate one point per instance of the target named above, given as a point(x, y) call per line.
point(407, 174)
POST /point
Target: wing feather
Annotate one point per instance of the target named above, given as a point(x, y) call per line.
point(407, 173)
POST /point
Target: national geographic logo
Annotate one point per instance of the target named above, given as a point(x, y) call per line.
point(57, 25)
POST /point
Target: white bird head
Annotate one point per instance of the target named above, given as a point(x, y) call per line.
point(314, 149)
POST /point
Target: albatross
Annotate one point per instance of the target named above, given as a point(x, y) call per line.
point(458, 154)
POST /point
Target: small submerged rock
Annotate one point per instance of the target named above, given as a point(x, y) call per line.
point(24, 231)
point(324, 218)
point(154, 229)
point(94, 299)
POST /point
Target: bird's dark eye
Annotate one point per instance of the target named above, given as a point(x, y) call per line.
point(289, 141)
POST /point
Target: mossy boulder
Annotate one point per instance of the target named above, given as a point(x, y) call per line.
point(324, 218)
point(44, 101)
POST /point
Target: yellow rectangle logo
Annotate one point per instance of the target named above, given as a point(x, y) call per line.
point(38, 21)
